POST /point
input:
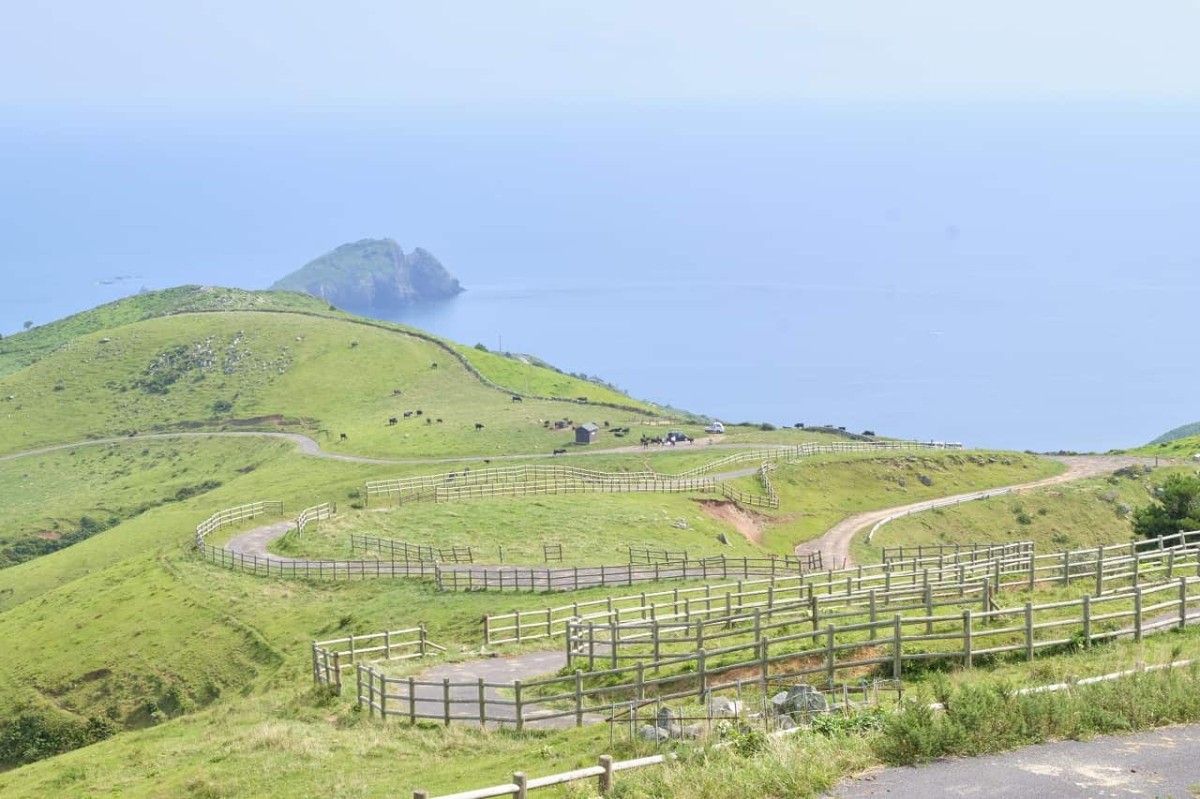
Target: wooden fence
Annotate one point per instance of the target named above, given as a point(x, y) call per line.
point(400, 550)
point(931, 552)
point(317, 569)
point(316, 513)
point(330, 658)
point(575, 578)
point(882, 644)
point(1021, 568)
point(241, 513)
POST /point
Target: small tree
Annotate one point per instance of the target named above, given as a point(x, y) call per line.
point(28, 324)
point(1176, 508)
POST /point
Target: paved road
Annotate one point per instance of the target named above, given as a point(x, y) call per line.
point(309, 446)
point(1161, 763)
point(834, 545)
point(464, 699)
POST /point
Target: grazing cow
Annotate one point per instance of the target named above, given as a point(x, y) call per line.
point(393, 421)
point(606, 423)
point(581, 399)
point(478, 427)
point(433, 365)
point(439, 421)
point(420, 412)
point(560, 452)
point(407, 414)
point(396, 392)
point(517, 398)
point(342, 438)
point(428, 420)
point(487, 461)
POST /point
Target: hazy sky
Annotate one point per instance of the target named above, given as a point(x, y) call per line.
point(203, 55)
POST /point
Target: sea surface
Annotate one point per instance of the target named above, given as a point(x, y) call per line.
point(1022, 276)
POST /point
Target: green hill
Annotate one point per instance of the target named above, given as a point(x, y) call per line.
point(1183, 431)
point(197, 678)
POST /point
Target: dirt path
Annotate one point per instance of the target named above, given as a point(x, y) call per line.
point(834, 546)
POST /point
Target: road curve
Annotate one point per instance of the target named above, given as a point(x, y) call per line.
point(309, 446)
point(834, 545)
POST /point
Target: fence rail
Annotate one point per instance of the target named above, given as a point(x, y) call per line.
point(943, 503)
point(241, 513)
point(400, 550)
point(330, 658)
point(883, 644)
point(316, 513)
point(1020, 567)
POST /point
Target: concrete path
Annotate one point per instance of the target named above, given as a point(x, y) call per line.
point(499, 705)
point(309, 446)
point(834, 545)
point(1161, 763)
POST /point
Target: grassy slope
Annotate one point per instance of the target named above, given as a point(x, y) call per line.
point(1185, 447)
point(817, 493)
point(1069, 516)
point(129, 626)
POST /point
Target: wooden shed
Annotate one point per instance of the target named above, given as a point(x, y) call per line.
point(586, 433)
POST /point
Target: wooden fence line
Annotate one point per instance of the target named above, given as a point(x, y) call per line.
point(1108, 565)
point(235, 515)
point(316, 513)
point(823, 653)
point(400, 550)
point(330, 657)
point(943, 503)
point(922, 552)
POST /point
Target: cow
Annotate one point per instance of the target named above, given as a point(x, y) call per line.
point(420, 412)
point(407, 414)
point(439, 421)
point(428, 420)
point(517, 398)
point(433, 365)
point(478, 427)
point(559, 452)
point(392, 421)
point(342, 437)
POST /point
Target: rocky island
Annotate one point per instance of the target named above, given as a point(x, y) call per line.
point(373, 274)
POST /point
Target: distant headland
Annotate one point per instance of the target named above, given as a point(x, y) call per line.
point(373, 274)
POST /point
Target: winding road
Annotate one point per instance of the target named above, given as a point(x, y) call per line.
point(834, 545)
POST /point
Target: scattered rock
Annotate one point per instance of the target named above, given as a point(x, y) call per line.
point(925, 479)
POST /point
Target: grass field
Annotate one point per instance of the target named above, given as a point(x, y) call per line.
point(206, 671)
point(1072, 515)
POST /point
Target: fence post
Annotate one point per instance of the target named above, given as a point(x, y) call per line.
point(1137, 614)
point(606, 777)
point(358, 693)
point(522, 783)
point(482, 703)
point(830, 656)
point(419, 794)
point(1032, 569)
point(1182, 602)
point(316, 664)
point(968, 644)
point(424, 638)
point(897, 647)
point(1099, 570)
point(987, 595)
point(641, 680)
point(518, 705)
point(1029, 631)
point(1171, 564)
point(487, 629)
point(579, 697)
point(701, 671)
point(814, 610)
point(383, 681)
point(337, 670)
point(928, 609)
point(1066, 567)
point(446, 701)
point(412, 700)
point(517, 614)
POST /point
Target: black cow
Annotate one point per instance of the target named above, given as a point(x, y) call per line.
point(560, 452)
point(407, 414)
point(517, 398)
point(393, 420)
point(478, 427)
point(343, 437)
point(439, 421)
point(420, 412)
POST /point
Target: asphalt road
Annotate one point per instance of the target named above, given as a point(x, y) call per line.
point(1161, 763)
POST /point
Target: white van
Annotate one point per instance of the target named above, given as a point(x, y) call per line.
point(715, 427)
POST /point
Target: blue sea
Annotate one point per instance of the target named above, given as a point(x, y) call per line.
point(1020, 276)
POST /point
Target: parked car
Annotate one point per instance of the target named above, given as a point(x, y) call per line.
point(677, 437)
point(715, 427)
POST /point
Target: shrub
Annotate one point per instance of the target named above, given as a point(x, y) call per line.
point(767, 426)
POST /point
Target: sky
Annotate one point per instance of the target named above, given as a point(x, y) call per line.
point(241, 56)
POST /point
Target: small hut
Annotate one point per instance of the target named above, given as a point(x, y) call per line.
point(586, 433)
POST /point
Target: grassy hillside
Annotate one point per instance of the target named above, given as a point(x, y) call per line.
point(316, 375)
point(204, 671)
point(1073, 515)
point(1183, 431)
point(1187, 447)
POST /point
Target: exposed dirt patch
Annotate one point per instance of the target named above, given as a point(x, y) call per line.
point(748, 523)
point(49, 535)
point(275, 419)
